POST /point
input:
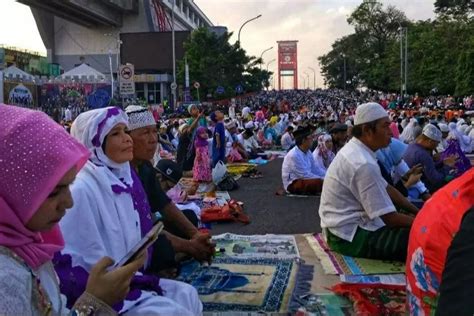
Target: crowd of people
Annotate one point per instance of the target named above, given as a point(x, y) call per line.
point(375, 159)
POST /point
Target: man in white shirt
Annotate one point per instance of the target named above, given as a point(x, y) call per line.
point(287, 140)
point(299, 172)
point(357, 214)
point(68, 114)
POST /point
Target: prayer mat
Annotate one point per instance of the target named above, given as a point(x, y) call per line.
point(390, 279)
point(276, 153)
point(324, 304)
point(239, 168)
point(374, 299)
point(189, 185)
point(231, 284)
point(335, 263)
point(257, 246)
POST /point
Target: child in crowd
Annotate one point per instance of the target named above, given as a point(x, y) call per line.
point(218, 140)
point(202, 164)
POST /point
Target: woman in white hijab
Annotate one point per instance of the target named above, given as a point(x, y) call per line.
point(411, 131)
point(110, 215)
point(464, 140)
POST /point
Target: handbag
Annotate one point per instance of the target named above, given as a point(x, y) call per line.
point(229, 212)
point(228, 183)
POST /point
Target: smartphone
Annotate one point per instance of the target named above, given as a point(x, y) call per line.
point(143, 244)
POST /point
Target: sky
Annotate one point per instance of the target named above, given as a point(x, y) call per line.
point(316, 24)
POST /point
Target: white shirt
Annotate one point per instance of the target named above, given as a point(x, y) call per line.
point(299, 165)
point(287, 141)
point(232, 111)
point(250, 144)
point(68, 115)
point(354, 192)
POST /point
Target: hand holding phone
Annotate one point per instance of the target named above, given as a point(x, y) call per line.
point(142, 245)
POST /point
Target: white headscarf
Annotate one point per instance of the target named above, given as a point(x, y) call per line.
point(91, 128)
point(408, 135)
point(464, 141)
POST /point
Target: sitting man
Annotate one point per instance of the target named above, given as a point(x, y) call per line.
point(435, 174)
point(287, 140)
point(338, 133)
point(299, 172)
point(357, 214)
point(186, 238)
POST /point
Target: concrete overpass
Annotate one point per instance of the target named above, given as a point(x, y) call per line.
point(72, 29)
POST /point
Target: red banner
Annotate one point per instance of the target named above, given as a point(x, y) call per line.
point(287, 55)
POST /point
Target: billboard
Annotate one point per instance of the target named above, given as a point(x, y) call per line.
point(287, 55)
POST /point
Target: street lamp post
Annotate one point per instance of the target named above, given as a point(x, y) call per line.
point(173, 90)
point(261, 55)
point(271, 61)
point(307, 78)
point(345, 72)
point(250, 20)
point(314, 77)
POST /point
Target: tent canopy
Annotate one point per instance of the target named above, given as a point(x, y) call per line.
point(83, 70)
point(15, 72)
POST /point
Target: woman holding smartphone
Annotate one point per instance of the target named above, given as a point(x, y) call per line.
point(110, 216)
point(38, 162)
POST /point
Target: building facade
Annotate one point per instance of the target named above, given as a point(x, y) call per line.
point(97, 33)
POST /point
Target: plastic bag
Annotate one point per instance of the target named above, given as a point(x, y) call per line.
point(219, 172)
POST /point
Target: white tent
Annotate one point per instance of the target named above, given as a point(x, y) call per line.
point(14, 72)
point(83, 71)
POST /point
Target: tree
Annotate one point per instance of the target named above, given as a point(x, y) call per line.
point(214, 62)
point(454, 8)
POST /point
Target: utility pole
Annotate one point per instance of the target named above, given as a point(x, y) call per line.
point(406, 60)
point(173, 88)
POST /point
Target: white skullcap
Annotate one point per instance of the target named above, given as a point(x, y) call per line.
point(369, 112)
point(443, 127)
point(432, 132)
point(139, 117)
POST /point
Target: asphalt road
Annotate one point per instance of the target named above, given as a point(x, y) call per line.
point(269, 213)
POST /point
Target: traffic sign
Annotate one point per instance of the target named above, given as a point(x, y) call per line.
point(127, 80)
point(196, 85)
point(239, 89)
point(220, 90)
point(174, 86)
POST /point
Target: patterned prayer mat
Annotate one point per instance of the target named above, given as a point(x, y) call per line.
point(325, 304)
point(257, 246)
point(239, 168)
point(335, 263)
point(374, 299)
point(239, 285)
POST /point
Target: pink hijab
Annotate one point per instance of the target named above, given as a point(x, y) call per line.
point(35, 153)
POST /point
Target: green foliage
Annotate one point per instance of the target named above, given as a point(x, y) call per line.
point(214, 62)
point(454, 8)
point(440, 53)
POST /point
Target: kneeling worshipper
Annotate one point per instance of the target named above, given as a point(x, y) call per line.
point(39, 161)
point(323, 155)
point(299, 172)
point(181, 234)
point(440, 278)
point(110, 216)
point(397, 173)
point(338, 133)
point(435, 174)
point(357, 214)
